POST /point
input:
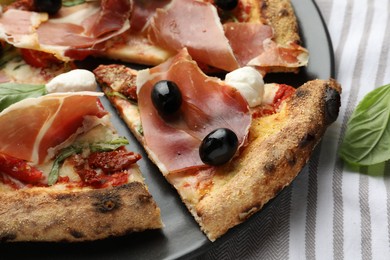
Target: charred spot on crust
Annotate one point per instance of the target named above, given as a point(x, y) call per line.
point(301, 93)
point(307, 139)
point(290, 157)
point(283, 12)
point(332, 105)
point(76, 234)
point(144, 199)
point(269, 167)
point(4, 237)
point(64, 196)
point(107, 202)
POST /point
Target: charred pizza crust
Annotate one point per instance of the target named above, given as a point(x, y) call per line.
point(49, 214)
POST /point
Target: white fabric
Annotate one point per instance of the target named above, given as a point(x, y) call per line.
point(331, 211)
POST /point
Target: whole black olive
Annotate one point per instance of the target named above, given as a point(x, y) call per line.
point(226, 5)
point(166, 97)
point(218, 147)
point(47, 6)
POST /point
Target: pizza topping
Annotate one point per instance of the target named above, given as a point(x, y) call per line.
point(143, 11)
point(19, 169)
point(201, 33)
point(207, 104)
point(11, 93)
point(289, 55)
point(73, 33)
point(249, 82)
point(218, 147)
point(47, 6)
point(39, 59)
point(55, 170)
point(226, 4)
point(113, 161)
point(166, 97)
point(34, 128)
point(74, 80)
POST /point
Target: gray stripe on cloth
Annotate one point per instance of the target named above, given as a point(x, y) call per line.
point(365, 224)
point(311, 212)
point(337, 180)
point(366, 233)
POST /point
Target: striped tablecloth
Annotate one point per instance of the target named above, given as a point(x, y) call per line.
point(331, 211)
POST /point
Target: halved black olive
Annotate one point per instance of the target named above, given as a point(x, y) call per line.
point(166, 97)
point(218, 147)
point(47, 6)
point(226, 5)
point(332, 105)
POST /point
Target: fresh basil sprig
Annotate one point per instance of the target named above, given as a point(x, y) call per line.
point(69, 3)
point(109, 146)
point(64, 153)
point(367, 138)
point(11, 93)
point(71, 150)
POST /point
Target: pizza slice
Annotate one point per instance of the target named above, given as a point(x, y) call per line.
point(226, 150)
point(66, 175)
point(256, 33)
point(219, 36)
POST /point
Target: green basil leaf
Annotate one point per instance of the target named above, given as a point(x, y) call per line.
point(69, 3)
point(109, 146)
point(116, 94)
point(11, 93)
point(367, 138)
point(64, 153)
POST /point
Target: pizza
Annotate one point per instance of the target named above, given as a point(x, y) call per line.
point(225, 160)
point(257, 33)
point(66, 174)
point(227, 144)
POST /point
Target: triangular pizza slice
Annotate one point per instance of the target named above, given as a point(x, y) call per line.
point(227, 146)
point(66, 175)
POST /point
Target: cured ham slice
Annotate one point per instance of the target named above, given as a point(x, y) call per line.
point(208, 103)
point(31, 127)
point(143, 11)
point(18, 27)
point(253, 45)
point(77, 28)
point(200, 31)
point(290, 55)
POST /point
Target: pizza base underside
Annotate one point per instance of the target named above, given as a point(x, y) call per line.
point(279, 147)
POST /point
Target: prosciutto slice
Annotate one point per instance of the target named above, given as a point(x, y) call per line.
point(81, 27)
point(208, 104)
point(143, 11)
point(253, 45)
point(200, 31)
point(32, 126)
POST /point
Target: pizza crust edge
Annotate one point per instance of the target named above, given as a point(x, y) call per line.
point(54, 215)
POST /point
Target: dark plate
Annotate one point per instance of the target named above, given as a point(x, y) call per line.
point(181, 236)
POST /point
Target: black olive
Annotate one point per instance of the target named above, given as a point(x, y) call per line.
point(226, 5)
point(166, 97)
point(218, 147)
point(47, 6)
